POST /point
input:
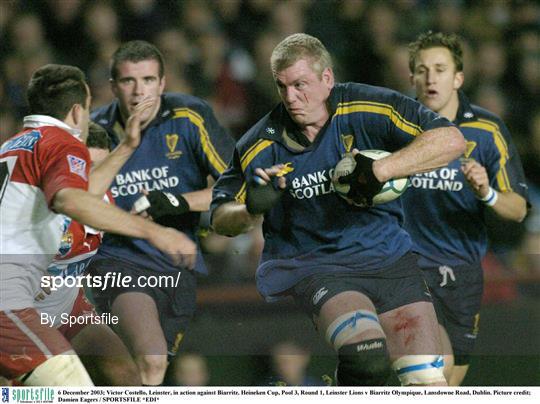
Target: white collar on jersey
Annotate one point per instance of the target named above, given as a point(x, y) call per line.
point(35, 121)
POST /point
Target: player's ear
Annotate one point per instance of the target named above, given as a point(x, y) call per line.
point(162, 85)
point(459, 77)
point(328, 77)
point(114, 89)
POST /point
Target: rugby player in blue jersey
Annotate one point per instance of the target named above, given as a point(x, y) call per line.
point(349, 268)
point(182, 145)
point(444, 209)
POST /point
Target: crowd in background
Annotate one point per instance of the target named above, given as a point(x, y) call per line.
point(219, 50)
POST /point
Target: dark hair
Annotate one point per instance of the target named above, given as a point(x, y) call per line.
point(432, 39)
point(136, 51)
point(97, 137)
point(54, 89)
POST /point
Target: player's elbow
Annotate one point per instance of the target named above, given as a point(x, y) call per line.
point(456, 143)
point(65, 202)
point(229, 220)
point(521, 211)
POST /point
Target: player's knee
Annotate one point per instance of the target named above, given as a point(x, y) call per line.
point(349, 326)
point(420, 370)
point(122, 371)
point(152, 368)
point(363, 364)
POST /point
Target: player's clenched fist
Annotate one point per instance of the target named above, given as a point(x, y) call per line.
point(179, 247)
point(476, 176)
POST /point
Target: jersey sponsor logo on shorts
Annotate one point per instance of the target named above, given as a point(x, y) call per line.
point(77, 166)
point(446, 272)
point(369, 347)
point(444, 179)
point(270, 131)
point(172, 142)
point(24, 142)
point(22, 356)
point(319, 295)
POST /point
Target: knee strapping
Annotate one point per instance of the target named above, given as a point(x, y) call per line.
point(363, 364)
point(348, 325)
point(60, 370)
point(419, 369)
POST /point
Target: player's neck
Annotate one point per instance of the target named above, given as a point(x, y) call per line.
point(311, 131)
point(449, 111)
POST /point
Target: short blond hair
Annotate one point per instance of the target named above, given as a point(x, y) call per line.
point(300, 46)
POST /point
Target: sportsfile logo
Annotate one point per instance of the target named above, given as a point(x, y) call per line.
point(5, 394)
point(32, 395)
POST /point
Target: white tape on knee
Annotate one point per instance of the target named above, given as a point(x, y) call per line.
point(60, 370)
point(419, 369)
point(349, 325)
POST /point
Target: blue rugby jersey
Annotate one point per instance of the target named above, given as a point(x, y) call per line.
point(179, 149)
point(312, 229)
point(442, 214)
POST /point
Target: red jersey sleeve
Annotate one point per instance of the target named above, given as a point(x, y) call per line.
point(64, 163)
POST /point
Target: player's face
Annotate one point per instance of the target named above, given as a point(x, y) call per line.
point(136, 82)
point(436, 80)
point(304, 93)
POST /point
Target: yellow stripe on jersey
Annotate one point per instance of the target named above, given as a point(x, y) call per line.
point(259, 146)
point(401, 123)
point(206, 143)
point(502, 147)
point(240, 197)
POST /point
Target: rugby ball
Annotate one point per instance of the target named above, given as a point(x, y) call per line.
point(391, 190)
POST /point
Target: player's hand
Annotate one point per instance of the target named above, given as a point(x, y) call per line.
point(44, 292)
point(476, 176)
point(265, 189)
point(364, 185)
point(179, 247)
point(158, 204)
point(133, 124)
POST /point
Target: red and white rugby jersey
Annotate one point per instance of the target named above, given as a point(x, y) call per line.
point(78, 245)
point(34, 164)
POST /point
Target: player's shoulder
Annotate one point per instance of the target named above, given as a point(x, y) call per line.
point(483, 115)
point(105, 115)
point(177, 103)
point(358, 92)
point(268, 129)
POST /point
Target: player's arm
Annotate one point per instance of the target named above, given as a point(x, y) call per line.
point(102, 175)
point(431, 149)
point(508, 205)
point(232, 218)
point(91, 210)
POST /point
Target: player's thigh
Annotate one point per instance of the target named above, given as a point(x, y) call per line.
point(411, 330)
point(25, 343)
point(138, 323)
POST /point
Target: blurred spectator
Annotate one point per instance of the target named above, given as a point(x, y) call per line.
point(63, 21)
point(142, 19)
point(190, 369)
point(289, 362)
